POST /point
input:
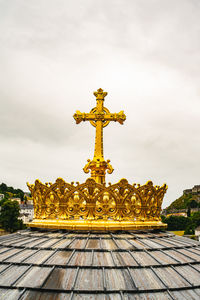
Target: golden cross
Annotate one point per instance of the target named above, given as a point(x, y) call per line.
point(99, 117)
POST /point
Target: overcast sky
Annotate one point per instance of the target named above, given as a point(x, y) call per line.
point(144, 53)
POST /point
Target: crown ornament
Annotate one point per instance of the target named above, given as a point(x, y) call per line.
point(93, 205)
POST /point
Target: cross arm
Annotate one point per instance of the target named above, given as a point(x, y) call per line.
point(120, 117)
point(79, 117)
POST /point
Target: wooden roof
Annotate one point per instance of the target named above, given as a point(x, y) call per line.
point(87, 265)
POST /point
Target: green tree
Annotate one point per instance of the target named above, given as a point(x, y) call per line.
point(194, 221)
point(189, 229)
point(9, 216)
point(193, 204)
point(3, 187)
point(195, 218)
point(163, 218)
point(177, 222)
point(10, 191)
point(189, 210)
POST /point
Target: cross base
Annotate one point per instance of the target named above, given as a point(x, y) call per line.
point(98, 169)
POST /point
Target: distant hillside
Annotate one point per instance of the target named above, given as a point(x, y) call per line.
point(9, 191)
point(184, 202)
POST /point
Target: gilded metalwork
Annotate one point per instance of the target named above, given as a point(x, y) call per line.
point(99, 117)
point(93, 201)
point(93, 205)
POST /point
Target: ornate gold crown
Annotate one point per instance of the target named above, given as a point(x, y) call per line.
point(93, 205)
point(113, 206)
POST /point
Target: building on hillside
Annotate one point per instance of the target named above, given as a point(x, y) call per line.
point(29, 201)
point(197, 232)
point(195, 191)
point(1, 196)
point(28, 198)
point(16, 199)
point(26, 212)
point(187, 191)
point(178, 214)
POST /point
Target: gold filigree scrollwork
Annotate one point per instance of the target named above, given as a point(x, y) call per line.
point(93, 201)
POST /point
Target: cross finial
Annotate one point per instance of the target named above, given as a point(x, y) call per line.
point(100, 94)
point(99, 117)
